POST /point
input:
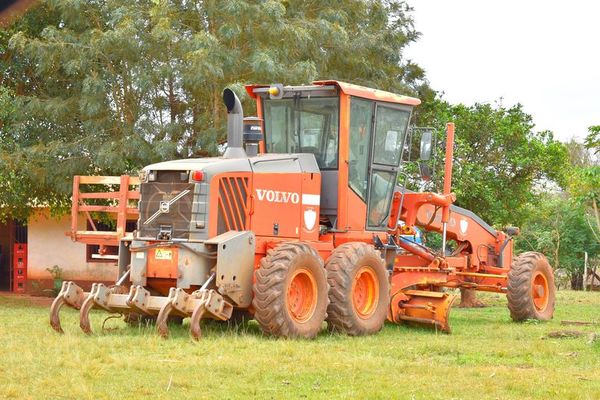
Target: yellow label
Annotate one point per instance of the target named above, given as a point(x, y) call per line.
point(163, 254)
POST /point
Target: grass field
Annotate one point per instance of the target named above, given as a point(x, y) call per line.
point(486, 356)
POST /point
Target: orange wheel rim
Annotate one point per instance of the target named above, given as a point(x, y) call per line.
point(302, 295)
point(365, 292)
point(539, 287)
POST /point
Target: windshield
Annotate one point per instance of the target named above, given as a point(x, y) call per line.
point(303, 125)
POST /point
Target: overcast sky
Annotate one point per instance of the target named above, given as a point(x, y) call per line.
point(542, 54)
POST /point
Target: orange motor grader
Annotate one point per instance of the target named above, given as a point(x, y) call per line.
point(301, 221)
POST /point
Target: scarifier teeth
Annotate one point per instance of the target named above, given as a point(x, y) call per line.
point(195, 330)
point(111, 299)
point(71, 295)
point(84, 311)
point(138, 299)
point(198, 305)
point(163, 316)
point(54, 310)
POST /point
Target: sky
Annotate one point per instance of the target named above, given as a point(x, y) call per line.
point(542, 54)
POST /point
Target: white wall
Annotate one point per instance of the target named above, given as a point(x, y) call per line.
point(48, 246)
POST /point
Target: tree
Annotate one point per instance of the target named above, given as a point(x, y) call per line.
point(558, 228)
point(585, 188)
point(584, 183)
point(592, 141)
point(500, 164)
point(112, 86)
point(21, 187)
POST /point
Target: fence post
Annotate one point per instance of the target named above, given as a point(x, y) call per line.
point(75, 208)
point(122, 214)
point(585, 270)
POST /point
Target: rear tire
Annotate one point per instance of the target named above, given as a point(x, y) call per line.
point(359, 295)
point(290, 292)
point(531, 291)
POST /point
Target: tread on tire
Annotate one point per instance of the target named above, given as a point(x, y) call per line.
point(273, 285)
point(523, 302)
point(342, 267)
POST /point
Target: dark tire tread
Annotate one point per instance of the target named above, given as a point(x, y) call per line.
point(270, 291)
point(520, 301)
point(341, 267)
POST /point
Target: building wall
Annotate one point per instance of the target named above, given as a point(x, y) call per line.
point(48, 246)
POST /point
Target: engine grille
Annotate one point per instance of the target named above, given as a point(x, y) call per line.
point(167, 186)
point(233, 204)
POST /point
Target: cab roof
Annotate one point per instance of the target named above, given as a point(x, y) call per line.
point(352, 90)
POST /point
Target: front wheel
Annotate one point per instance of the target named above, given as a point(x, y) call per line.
point(531, 291)
point(290, 292)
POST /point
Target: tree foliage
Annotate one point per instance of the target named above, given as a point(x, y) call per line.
point(102, 87)
point(585, 190)
point(557, 227)
point(592, 141)
point(500, 163)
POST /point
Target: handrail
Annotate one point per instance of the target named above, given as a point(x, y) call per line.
point(117, 202)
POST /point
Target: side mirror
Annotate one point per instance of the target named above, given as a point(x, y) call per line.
point(426, 171)
point(425, 153)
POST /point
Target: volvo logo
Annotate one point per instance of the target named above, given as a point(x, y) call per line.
point(275, 196)
point(164, 207)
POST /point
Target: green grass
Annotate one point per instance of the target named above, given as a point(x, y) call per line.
point(486, 356)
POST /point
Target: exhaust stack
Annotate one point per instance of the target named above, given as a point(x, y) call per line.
point(235, 125)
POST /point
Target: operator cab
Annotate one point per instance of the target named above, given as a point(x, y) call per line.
point(356, 135)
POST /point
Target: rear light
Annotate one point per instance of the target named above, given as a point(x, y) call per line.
point(197, 176)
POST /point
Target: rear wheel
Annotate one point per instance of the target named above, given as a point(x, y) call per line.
point(290, 292)
point(531, 291)
point(359, 293)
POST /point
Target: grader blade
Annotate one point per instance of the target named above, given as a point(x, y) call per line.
point(71, 295)
point(424, 308)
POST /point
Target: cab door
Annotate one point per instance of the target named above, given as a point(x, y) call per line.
point(390, 126)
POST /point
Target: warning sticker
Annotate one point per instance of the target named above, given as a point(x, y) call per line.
point(163, 254)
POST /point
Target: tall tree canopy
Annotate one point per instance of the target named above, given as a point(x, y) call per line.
point(557, 227)
point(111, 86)
point(500, 163)
point(592, 141)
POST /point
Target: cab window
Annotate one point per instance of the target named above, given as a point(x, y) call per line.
point(361, 118)
point(390, 129)
point(382, 187)
point(304, 125)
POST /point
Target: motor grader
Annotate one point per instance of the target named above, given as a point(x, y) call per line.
point(301, 221)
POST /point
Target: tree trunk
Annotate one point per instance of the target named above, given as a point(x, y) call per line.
point(577, 280)
point(596, 214)
point(468, 299)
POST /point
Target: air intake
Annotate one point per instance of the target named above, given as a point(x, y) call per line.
point(235, 125)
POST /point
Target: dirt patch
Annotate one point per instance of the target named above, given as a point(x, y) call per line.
point(565, 334)
point(35, 301)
